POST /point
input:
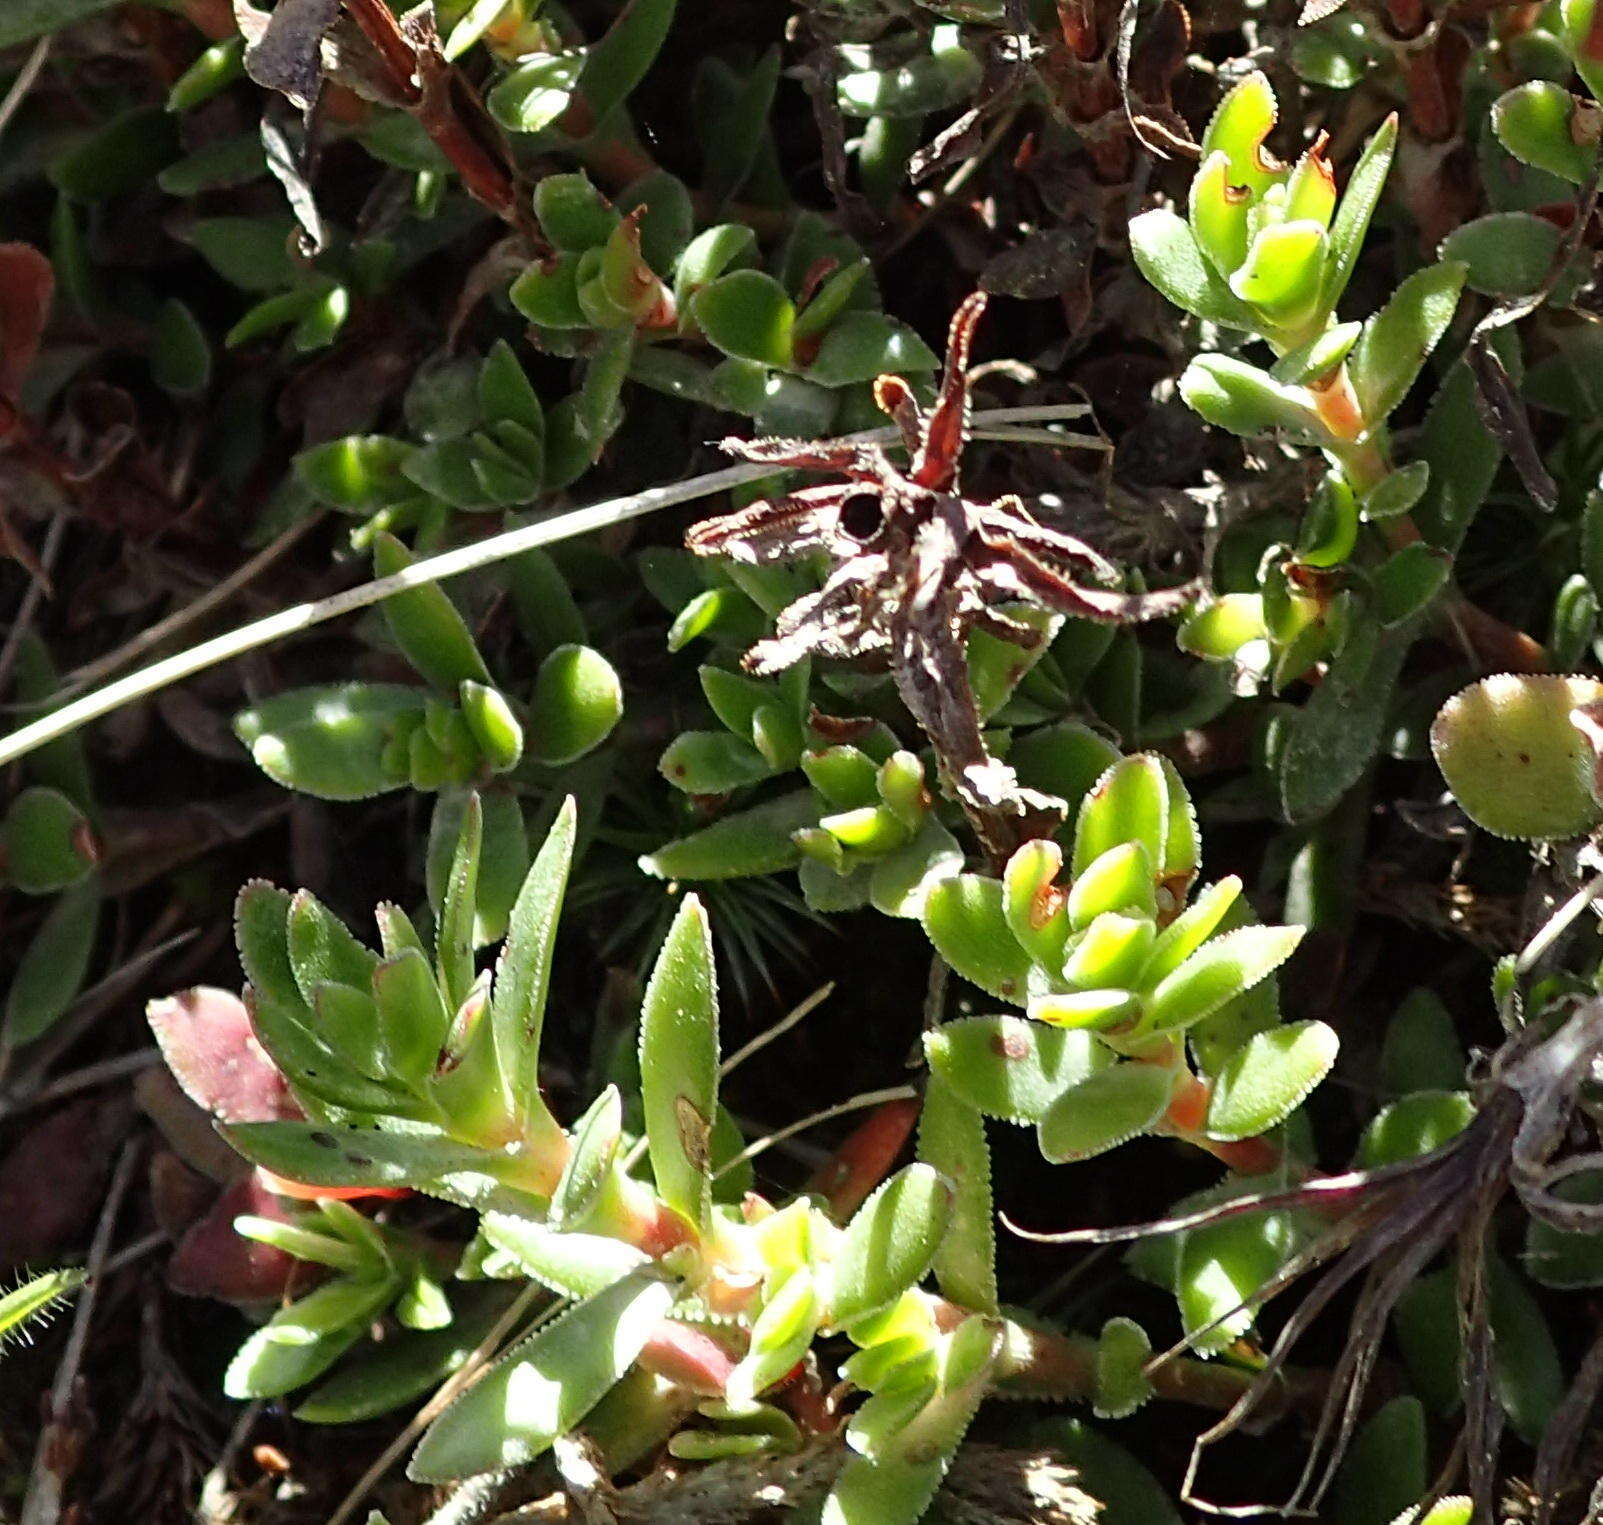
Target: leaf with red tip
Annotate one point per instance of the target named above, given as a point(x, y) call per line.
point(206, 1038)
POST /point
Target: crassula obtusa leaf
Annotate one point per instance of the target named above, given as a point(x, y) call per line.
point(889, 1243)
point(46, 842)
point(1168, 255)
point(679, 1064)
point(1121, 1385)
point(1221, 1265)
point(578, 699)
point(329, 742)
point(1009, 1067)
point(1398, 339)
point(1218, 972)
point(1538, 123)
point(894, 1481)
point(1515, 760)
point(1104, 1110)
point(546, 1385)
point(1268, 1077)
point(576, 1265)
point(965, 919)
point(523, 972)
point(951, 1139)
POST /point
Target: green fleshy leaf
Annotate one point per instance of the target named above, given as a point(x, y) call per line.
point(755, 841)
point(302, 1341)
point(523, 972)
point(951, 1139)
point(1385, 1470)
point(965, 919)
point(578, 699)
point(324, 1155)
point(532, 96)
point(1269, 1076)
point(1123, 1349)
point(748, 316)
point(1357, 207)
point(679, 1064)
point(545, 1386)
point(1537, 121)
point(1515, 760)
point(1167, 254)
point(51, 971)
point(1413, 1126)
point(1104, 1110)
point(1399, 338)
point(46, 842)
point(1011, 1068)
point(330, 742)
point(576, 1265)
point(358, 474)
point(426, 625)
point(889, 1243)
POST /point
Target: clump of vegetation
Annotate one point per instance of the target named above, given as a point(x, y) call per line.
point(493, 460)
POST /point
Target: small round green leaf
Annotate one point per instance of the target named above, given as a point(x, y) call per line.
point(1104, 1110)
point(1515, 760)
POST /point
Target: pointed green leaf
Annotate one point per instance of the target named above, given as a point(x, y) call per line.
point(321, 949)
point(52, 968)
point(780, 1336)
point(576, 1265)
point(302, 1341)
point(1357, 207)
point(523, 972)
point(679, 1063)
point(595, 1145)
point(889, 1244)
point(546, 1385)
point(426, 625)
point(1397, 340)
point(755, 841)
point(319, 1154)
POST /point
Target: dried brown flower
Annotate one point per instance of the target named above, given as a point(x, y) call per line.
point(917, 566)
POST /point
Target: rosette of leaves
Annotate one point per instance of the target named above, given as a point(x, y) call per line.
point(871, 826)
point(1146, 1010)
point(484, 443)
point(354, 740)
point(689, 1302)
point(1268, 249)
point(635, 280)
